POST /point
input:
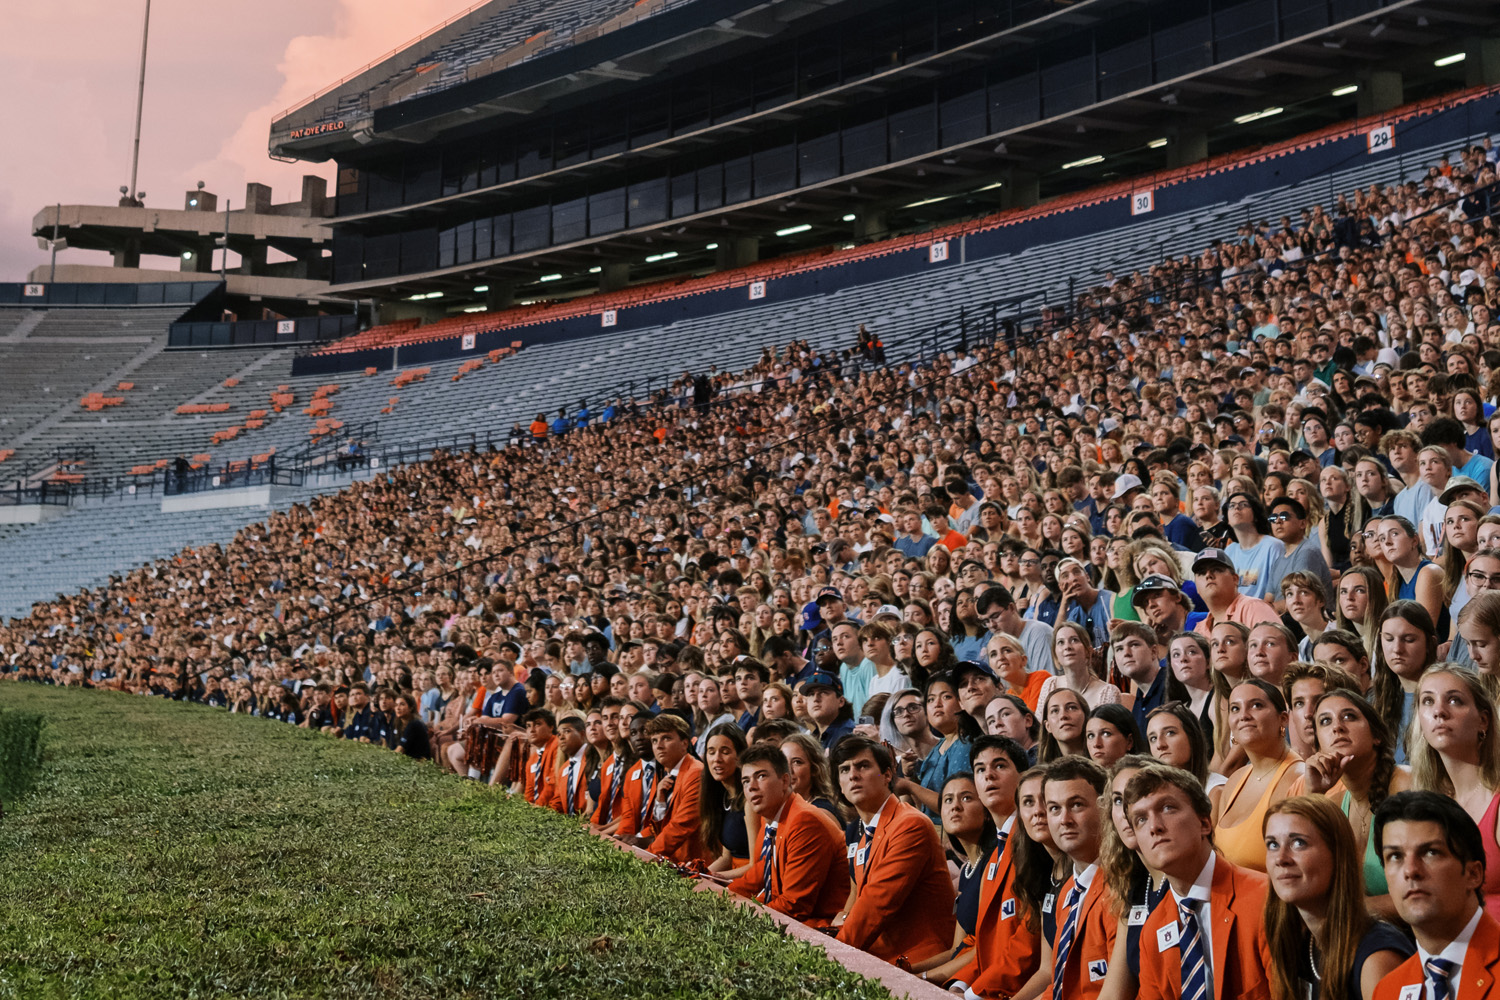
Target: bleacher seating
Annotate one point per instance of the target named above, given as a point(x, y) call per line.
point(273, 413)
point(98, 538)
point(516, 33)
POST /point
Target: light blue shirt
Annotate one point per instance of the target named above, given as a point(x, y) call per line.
point(1410, 502)
point(1477, 468)
point(1257, 566)
point(856, 681)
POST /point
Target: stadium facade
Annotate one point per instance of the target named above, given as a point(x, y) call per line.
point(532, 149)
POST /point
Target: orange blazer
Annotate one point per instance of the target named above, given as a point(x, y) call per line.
point(602, 811)
point(580, 787)
point(1476, 980)
point(1005, 951)
point(1241, 954)
point(631, 822)
point(903, 895)
point(809, 880)
point(1093, 940)
point(539, 780)
point(677, 835)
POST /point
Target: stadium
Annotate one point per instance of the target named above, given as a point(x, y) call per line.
point(798, 476)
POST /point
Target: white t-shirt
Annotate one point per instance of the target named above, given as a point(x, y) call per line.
point(895, 680)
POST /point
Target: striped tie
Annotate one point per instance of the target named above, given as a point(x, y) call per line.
point(616, 786)
point(1065, 942)
point(1190, 950)
point(767, 859)
point(572, 771)
point(1441, 971)
point(648, 787)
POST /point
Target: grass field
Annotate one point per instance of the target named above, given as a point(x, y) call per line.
point(175, 851)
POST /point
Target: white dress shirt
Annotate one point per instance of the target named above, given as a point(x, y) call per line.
point(1201, 890)
point(1457, 949)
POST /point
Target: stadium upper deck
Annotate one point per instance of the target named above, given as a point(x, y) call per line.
point(559, 147)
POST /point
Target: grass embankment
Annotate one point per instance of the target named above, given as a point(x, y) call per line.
point(174, 851)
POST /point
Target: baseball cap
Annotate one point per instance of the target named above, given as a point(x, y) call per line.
point(823, 679)
point(1127, 482)
point(1457, 485)
point(828, 592)
point(1212, 557)
point(1153, 583)
point(967, 667)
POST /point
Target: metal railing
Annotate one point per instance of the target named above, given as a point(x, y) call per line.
point(202, 480)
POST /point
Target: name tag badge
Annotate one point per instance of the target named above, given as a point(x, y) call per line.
point(1047, 902)
point(1413, 992)
point(635, 775)
point(1098, 970)
point(1167, 938)
point(862, 855)
point(536, 768)
point(1138, 915)
point(989, 873)
point(1007, 908)
point(850, 852)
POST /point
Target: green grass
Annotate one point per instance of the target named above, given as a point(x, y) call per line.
point(175, 851)
point(20, 754)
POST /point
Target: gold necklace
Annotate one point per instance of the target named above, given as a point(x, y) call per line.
point(1260, 777)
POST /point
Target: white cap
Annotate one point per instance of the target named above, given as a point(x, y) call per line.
point(1127, 482)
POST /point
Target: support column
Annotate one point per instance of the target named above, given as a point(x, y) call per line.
point(502, 294)
point(1482, 62)
point(129, 255)
point(746, 250)
point(1379, 90)
point(615, 276)
point(870, 224)
point(737, 252)
point(1186, 146)
point(200, 262)
point(255, 261)
point(1019, 189)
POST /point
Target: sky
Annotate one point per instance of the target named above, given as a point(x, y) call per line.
point(216, 74)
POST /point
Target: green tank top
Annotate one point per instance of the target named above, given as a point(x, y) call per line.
point(1124, 606)
point(1375, 884)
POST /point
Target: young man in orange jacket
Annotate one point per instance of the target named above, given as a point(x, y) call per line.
point(572, 797)
point(1434, 864)
point(633, 814)
point(1206, 939)
point(1005, 951)
point(798, 868)
point(674, 813)
point(539, 777)
point(903, 897)
point(1075, 962)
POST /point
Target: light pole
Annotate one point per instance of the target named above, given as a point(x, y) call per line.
point(140, 99)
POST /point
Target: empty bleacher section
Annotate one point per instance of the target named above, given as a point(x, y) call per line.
point(50, 360)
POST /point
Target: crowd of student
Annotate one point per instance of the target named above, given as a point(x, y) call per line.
point(1155, 657)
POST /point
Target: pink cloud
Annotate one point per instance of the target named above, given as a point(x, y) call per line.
point(216, 75)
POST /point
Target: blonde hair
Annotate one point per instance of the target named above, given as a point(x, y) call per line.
point(1428, 773)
